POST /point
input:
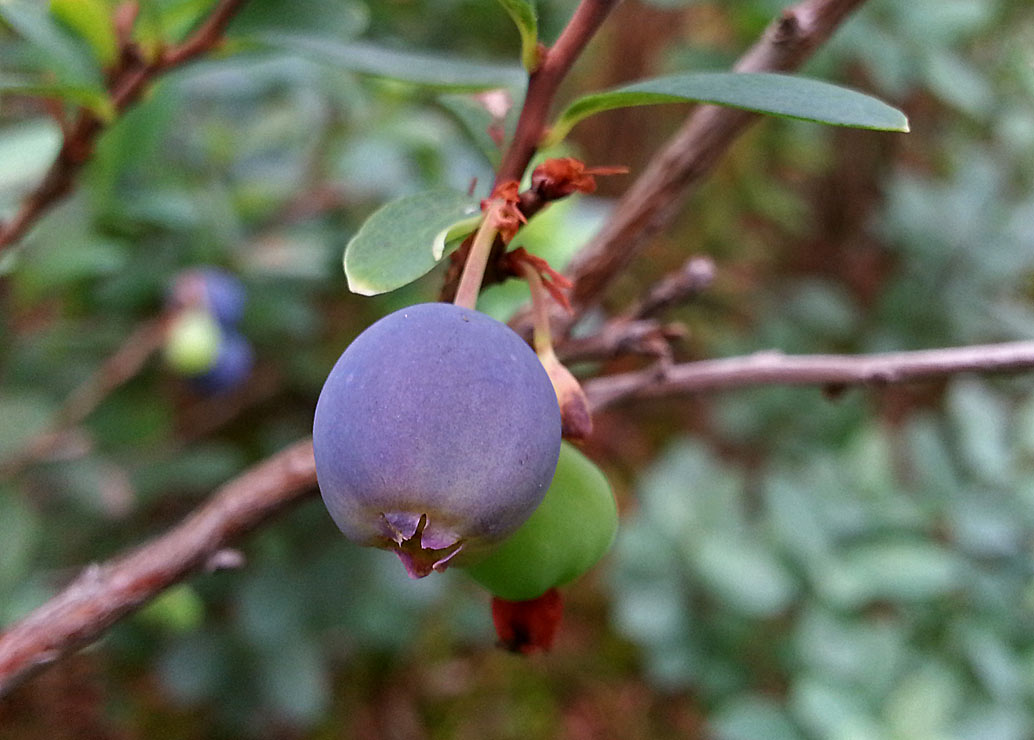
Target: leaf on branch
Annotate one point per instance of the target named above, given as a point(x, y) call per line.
point(95, 100)
point(488, 117)
point(52, 48)
point(526, 19)
point(406, 238)
point(90, 19)
point(431, 70)
point(781, 95)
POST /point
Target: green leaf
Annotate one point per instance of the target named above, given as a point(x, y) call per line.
point(479, 122)
point(773, 94)
point(94, 99)
point(53, 48)
point(524, 16)
point(404, 239)
point(432, 70)
point(90, 19)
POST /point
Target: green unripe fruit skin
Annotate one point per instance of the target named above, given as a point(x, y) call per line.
point(569, 532)
point(192, 342)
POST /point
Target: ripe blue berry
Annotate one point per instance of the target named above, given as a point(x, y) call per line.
point(231, 368)
point(211, 289)
point(436, 435)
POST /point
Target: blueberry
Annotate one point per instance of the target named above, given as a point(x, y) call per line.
point(231, 368)
point(436, 435)
point(212, 289)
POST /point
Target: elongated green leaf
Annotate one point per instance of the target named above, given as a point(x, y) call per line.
point(51, 47)
point(404, 239)
point(92, 20)
point(525, 18)
point(772, 94)
point(489, 118)
point(431, 70)
point(94, 99)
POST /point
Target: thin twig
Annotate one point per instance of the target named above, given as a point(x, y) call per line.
point(126, 84)
point(103, 594)
point(118, 369)
point(622, 336)
point(832, 371)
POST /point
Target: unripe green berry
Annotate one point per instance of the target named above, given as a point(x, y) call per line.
point(192, 342)
point(568, 533)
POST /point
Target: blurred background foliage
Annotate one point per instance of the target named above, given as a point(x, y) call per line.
point(791, 565)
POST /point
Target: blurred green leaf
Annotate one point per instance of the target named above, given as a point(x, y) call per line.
point(773, 94)
point(20, 528)
point(981, 426)
point(25, 414)
point(435, 71)
point(526, 19)
point(742, 573)
point(924, 703)
point(91, 19)
point(404, 239)
point(294, 680)
point(336, 20)
point(753, 717)
point(91, 98)
point(479, 122)
point(829, 710)
point(60, 53)
point(906, 571)
point(179, 609)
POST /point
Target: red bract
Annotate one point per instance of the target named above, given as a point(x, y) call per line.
point(508, 217)
point(558, 178)
point(528, 626)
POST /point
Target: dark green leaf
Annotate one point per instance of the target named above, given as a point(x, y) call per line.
point(773, 94)
point(90, 19)
point(404, 239)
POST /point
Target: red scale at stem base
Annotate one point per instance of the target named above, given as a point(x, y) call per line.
point(528, 626)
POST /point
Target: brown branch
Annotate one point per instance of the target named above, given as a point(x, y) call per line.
point(654, 200)
point(680, 286)
point(103, 594)
point(832, 371)
point(118, 369)
point(622, 336)
point(127, 81)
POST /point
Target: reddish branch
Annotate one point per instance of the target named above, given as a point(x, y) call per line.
point(127, 80)
point(103, 594)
